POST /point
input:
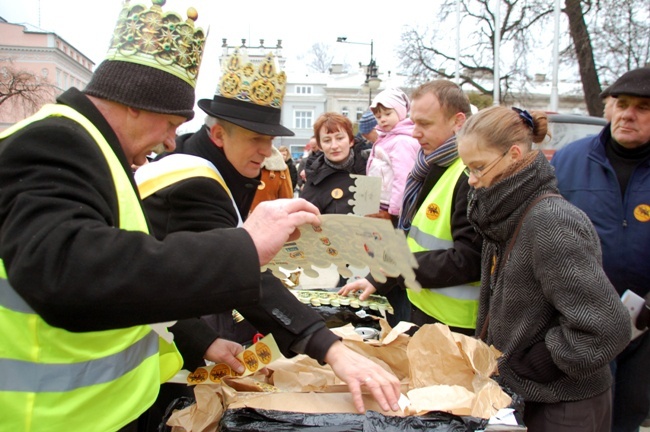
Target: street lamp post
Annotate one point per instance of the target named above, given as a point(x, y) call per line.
point(372, 80)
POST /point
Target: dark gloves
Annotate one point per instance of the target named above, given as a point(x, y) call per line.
point(643, 319)
point(535, 364)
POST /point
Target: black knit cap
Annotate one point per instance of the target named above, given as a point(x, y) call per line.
point(152, 61)
point(142, 87)
point(634, 83)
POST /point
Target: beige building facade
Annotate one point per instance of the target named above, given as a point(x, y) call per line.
point(35, 67)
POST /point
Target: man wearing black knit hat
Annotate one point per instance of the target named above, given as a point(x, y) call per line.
point(608, 177)
point(80, 277)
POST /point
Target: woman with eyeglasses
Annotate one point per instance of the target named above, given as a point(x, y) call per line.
point(545, 301)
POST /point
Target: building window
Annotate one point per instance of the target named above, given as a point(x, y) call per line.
point(345, 111)
point(303, 89)
point(359, 113)
point(303, 119)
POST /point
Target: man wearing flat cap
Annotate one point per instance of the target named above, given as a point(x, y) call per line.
point(608, 177)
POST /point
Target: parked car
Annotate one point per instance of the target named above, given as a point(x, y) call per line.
point(566, 128)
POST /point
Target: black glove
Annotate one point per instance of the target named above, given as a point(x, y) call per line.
point(643, 319)
point(535, 364)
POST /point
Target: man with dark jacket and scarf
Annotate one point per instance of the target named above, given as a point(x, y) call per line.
point(214, 175)
point(608, 177)
point(434, 215)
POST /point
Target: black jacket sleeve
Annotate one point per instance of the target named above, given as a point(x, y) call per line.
point(66, 257)
point(198, 204)
point(297, 328)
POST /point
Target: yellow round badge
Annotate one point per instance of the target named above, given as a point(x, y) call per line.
point(263, 352)
point(198, 376)
point(433, 211)
point(219, 371)
point(337, 193)
point(642, 212)
point(250, 361)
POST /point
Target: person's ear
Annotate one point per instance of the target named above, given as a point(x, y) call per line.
point(133, 112)
point(459, 119)
point(515, 153)
point(217, 133)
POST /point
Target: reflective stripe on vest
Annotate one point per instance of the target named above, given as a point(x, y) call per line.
point(176, 167)
point(456, 306)
point(52, 379)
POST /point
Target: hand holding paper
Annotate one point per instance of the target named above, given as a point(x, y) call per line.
point(225, 351)
point(273, 223)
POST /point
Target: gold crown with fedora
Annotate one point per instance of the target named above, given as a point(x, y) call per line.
point(250, 95)
point(153, 60)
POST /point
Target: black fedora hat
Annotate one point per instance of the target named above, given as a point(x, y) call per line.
point(249, 95)
point(257, 118)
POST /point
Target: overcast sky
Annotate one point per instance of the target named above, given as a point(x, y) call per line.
point(88, 25)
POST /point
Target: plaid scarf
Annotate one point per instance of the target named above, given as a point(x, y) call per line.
point(443, 156)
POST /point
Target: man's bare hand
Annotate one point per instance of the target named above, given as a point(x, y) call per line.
point(356, 370)
point(224, 351)
point(359, 285)
point(273, 223)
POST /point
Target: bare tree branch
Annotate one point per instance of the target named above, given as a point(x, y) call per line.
point(623, 43)
point(321, 57)
point(28, 91)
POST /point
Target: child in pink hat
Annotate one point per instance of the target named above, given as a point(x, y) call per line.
point(393, 154)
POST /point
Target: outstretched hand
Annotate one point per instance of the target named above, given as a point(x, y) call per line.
point(273, 223)
point(358, 285)
point(356, 370)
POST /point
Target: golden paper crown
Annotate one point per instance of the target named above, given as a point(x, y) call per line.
point(242, 80)
point(158, 39)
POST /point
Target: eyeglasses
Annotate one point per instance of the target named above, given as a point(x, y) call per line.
point(481, 171)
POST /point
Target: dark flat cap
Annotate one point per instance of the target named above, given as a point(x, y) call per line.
point(634, 83)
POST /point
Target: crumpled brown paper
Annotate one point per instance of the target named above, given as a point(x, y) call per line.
point(440, 370)
point(451, 372)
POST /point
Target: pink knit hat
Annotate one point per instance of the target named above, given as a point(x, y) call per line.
point(393, 98)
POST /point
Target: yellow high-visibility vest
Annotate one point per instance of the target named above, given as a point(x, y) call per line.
point(55, 380)
point(456, 306)
point(177, 167)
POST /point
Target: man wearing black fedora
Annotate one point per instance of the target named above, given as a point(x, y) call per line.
point(214, 175)
point(608, 177)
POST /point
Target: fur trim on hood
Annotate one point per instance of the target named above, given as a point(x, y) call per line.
point(275, 162)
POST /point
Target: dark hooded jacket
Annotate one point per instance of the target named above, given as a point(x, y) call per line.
point(328, 188)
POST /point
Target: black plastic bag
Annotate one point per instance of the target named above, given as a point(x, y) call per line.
point(250, 419)
point(342, 315)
